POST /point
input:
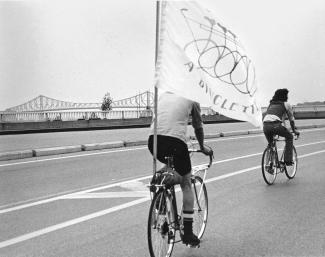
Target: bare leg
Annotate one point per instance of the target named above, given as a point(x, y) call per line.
point(188, 197)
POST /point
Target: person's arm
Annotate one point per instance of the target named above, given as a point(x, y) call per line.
point(198, 128)
point(199, 134)
point(291, 118)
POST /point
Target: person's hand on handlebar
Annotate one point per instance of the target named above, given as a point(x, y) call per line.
point(207, 151)
point(296, 132)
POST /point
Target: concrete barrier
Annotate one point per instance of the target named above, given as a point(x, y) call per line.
point(233, 133)
point(255, 131)
point(135, 143)
point(16, 155)
point(306, 127)
point(101, 146)
point(56, 150)
point(208, 136)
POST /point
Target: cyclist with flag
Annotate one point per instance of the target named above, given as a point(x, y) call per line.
point(173, 117)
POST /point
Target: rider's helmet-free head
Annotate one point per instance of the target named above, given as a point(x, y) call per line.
point(281, 95)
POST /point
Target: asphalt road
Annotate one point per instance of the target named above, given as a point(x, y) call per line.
point(42, 140)
point(96, 203)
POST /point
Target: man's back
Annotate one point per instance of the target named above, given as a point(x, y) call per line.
point(173, 115)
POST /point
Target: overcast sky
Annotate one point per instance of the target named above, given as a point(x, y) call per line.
point(79, 50)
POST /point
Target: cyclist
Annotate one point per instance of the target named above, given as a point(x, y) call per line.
point(274, 121)
point(173, 117)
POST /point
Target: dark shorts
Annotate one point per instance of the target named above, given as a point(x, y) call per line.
point(171, 146)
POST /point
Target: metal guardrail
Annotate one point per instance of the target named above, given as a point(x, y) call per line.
point(125, 114)
point(70, 116)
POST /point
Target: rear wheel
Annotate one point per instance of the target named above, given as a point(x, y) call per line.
point(269, 166)
point(291, 170)
point(161, 235)
point(200, 217)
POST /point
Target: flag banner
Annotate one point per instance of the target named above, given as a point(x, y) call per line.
point(199, 58)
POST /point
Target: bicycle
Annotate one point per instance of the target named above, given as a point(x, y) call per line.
point(272, 165)
point(164, 219)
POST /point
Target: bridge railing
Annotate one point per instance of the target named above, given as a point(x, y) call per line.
point(71, 116)
point(121, 114)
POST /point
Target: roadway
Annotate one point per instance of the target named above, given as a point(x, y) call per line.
point(96, 203)
point(55, 139)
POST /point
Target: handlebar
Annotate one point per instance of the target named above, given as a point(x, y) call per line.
point(211, 156)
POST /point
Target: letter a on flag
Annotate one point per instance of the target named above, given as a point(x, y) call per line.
point(199, 58)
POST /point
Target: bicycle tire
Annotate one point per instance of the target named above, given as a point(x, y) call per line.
point(161, 235)
point(268, 166)
point(200, 217)
point(291, 171)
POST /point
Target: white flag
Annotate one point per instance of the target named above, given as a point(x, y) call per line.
point(201, 59)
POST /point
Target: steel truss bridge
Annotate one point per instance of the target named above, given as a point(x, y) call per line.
point(46, 104)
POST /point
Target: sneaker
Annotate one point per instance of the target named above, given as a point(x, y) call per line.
point(269, 169)
point(164, 228)
point(289, 163)
point(191, 240)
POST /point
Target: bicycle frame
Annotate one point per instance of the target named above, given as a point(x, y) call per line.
point(279, 162)
point(169, 194)
point(274, 150)
point(272, 164)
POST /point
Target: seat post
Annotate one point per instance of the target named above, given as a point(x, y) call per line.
point(169, 161)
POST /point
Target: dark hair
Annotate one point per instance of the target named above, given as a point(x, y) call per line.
point(280, 95)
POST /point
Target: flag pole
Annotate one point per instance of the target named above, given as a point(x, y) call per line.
point(156, 89)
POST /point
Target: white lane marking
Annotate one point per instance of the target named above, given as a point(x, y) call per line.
point(19, 207)
point(67, 192)
point(69, 223)
point(73, 156)
point(254, 168)
point(255, 154)
point(135, 186)
point(114, 209)
point(135, 189)
point(135, 149)
point(117, 194)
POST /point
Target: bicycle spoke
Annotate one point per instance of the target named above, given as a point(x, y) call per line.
point(160, 243)
point(269, 169)
point(200, 207)
point(291, 170)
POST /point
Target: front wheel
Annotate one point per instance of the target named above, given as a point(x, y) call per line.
point(269, 166)
point(161, 234)
point(291, 170)
point(200, 217)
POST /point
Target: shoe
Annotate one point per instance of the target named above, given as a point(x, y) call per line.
point(269, 169)
point(164, 228)
point(191, 240)
point(289, 163)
